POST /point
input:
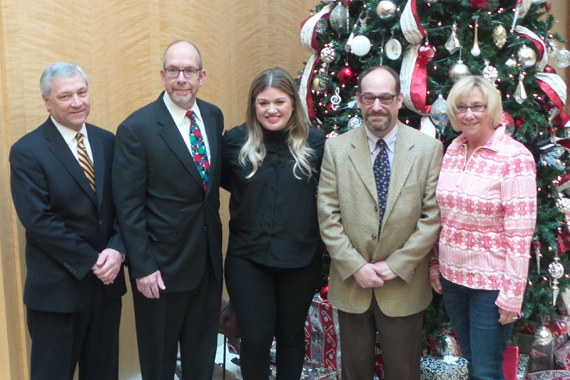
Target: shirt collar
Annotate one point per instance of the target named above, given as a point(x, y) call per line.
point(494, 142)
point(389, 139)
point(177, 113)
point(67, 133)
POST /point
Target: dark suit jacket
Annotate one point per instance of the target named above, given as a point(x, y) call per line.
point(168, 222)
point(66, 224)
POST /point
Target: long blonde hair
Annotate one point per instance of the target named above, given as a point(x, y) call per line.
point(297, 129)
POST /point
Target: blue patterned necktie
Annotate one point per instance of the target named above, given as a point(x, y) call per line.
point(199, 152)
point(382, 175)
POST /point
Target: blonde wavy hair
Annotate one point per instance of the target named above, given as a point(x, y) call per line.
point(297, 129)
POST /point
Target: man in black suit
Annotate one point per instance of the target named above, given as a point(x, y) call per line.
point(167, 199)
point(74, 251)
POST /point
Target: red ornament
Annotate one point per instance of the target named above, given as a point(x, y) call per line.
point(549, 69)
point(426, 52)
point(325, 292)
point(548, 6)
point(519, 123)
point(480, 4)
point(347, 76)
point(508, 122)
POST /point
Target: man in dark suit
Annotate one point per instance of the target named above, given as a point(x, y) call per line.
point(61, 187)
point(166, 180)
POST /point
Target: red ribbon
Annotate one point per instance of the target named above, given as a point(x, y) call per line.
point(562, 117)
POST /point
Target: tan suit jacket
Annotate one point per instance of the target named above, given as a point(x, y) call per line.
point(349, 220)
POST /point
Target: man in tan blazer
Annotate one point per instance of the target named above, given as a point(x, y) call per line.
point(379, 271)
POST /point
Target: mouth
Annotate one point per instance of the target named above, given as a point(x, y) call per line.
point(273, 119)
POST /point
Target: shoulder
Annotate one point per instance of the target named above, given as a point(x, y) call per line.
point(346, 139)
point(235, 136)
point(33, 139)
point(95, 130)
point(417, 136)
point(316, 139)
point(513, 149)
point(204, 105)
point(147, 113)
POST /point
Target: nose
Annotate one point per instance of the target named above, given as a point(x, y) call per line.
point(76, 100)
point(272, 108)
point(376, 106)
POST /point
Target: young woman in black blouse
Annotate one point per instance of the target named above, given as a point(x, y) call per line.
point(273, 262)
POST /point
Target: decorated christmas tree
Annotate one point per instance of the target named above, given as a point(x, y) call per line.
point(433, 43)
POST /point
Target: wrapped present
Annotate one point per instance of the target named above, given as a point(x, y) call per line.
point(523, 366)
point(549, 375)
point(436, 368)
point(511, 363)
point(311, 371)
point(323, 348)
point(378, 361)
point(563, 356)
point(542, 350)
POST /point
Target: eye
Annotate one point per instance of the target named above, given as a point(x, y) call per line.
point(461, 108)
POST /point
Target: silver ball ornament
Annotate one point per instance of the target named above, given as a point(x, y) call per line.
point(449, 346)
point(562, 58)
point(354, 122)
point(526, 56)
point(328, 54)
point(386, 9)
point(543, 336)
point(458, 71)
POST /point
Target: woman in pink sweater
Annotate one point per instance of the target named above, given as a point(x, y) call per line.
point(487, 196)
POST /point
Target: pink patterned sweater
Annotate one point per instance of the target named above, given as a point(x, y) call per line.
point(488, 215)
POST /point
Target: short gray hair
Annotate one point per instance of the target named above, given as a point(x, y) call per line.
point(59, 69)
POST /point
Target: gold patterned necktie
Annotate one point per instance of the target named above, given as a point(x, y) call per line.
point(85, 161)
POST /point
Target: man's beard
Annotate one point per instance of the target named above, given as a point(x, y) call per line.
point(379, 126)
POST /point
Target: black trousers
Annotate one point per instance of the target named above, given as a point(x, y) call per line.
point(188, 320)
point(90, 338)
point(271, 302)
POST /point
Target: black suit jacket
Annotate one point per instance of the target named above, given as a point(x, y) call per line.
point(66, 224)
point(169, 223)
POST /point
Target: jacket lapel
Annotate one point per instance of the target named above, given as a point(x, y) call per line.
point(360, 159)
point(98, 152)
point(61, 151)
point(171, 135)
point(404, 160)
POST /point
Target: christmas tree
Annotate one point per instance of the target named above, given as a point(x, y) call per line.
point(432, 43)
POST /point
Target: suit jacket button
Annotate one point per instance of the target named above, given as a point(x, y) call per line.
point(205, 229)
point(374, 236)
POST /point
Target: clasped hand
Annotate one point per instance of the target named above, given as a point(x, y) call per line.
point(373, 275)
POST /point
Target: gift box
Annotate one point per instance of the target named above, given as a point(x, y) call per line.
point(511, 363)
point(436, 368)
point(322, 344)
point(523, 366)
point(311, 371)
point(563, 356)
point(549, 375)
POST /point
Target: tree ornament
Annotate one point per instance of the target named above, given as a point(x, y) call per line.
point(490, 72)
point(347, 76)
point(448, 346)
point(508, 122)
point(556, 270)
point(562, 58)
point(453, 43)
point(320, 84)
point(526, 56)
point(339, 18)
point(393, 49)
point(386, 9)
point(432, 1)
point(438, 112)
point(354, 122)
point(426, 52)
point(475, 50)
point(543, 336)
point(499, 36)
point(324, 292)
point(458, 71)
point(322, 25)
point(520, 92)
point(360, 45)
point(328, 54)
point(511, 62)
point(549, 69)
point(333, 133)
point(478, 4)
point(334, 106)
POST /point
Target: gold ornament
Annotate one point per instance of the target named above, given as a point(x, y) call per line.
point(453, 43)
point(499, 36)
point(386, 9)
point(458, 71)
point(475, 51)
point(526, 56)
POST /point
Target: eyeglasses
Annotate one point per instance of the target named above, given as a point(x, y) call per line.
point(476, 108)
point(385, 99)
point(173, 72)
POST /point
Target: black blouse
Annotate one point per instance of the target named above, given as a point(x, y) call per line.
point(273, 215)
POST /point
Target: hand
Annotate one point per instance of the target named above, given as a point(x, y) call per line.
point(151, 285)
point(506, 317)
point(367, 277)
point(436, 284)
point(383, 271)
point(108, 265)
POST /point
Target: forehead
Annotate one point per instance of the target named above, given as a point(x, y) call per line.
point(378, 82)
point(272, 93)
point(67, 84)
point(181, 55)
point(474, 95)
